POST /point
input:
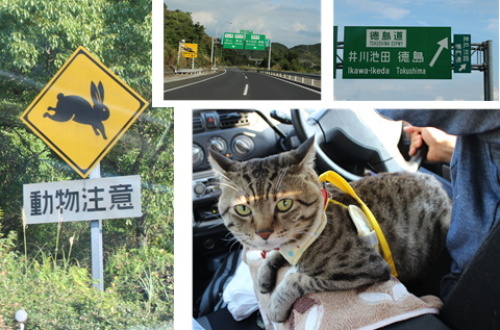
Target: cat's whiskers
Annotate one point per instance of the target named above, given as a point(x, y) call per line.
point(224, 179)
point(221, 174)
point(300, 230)
point(239, 190)
point(237, 238)
point(232, 242)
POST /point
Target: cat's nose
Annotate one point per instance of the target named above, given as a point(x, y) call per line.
point(264, 233)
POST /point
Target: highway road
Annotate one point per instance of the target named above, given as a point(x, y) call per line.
point(234, 84)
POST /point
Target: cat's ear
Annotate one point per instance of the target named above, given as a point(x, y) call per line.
point(219, 162)
point(305, 153)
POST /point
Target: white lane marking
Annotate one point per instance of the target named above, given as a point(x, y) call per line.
point(193, 83)
point(246, 90)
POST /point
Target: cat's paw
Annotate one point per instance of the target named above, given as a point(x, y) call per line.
point(278, 311)
point(266, 279)
point(268, 271)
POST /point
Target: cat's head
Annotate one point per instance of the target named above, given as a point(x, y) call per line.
point(272, 201)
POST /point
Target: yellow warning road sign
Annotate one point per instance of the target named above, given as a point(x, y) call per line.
point(189, 50)
point(83, 111)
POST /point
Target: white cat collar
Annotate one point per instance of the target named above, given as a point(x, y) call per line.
point(293, 251)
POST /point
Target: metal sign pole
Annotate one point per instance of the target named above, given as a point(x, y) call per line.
point(178, 55)
point(269, 56)
point(212, 54)
point(488, 72)
point(96, 242)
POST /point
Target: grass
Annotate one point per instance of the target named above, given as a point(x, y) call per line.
point(59, 295)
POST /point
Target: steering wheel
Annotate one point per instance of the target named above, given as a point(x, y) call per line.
point(351, 141)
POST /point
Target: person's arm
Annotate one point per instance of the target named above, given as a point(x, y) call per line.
point(440, 144)
point(456, 122)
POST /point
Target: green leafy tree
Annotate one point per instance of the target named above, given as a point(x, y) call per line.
point(36, 38)
point(179, 25)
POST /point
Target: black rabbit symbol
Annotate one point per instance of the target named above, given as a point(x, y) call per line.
point(76, 108)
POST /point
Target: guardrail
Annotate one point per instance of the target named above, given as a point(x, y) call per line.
point(308, 79)
point(188, 71)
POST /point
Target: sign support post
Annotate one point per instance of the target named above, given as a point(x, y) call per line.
point(96, 244)
point(488, 72)
point(269, 56)
point(178, 55)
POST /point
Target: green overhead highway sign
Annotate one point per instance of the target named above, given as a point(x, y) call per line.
point(255, 42)
point(397, 53)
point(233, 40)
point(245, 39)
point(462, 53)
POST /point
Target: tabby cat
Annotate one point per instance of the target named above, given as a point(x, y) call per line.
point(276, 201)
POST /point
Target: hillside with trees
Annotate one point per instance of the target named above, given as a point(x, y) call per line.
point(45, 268)
point(179, 26)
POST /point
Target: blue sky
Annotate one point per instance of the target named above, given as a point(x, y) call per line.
point(476, 17)
point(289, 22)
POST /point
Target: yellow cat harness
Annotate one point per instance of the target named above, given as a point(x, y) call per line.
point(363, 219)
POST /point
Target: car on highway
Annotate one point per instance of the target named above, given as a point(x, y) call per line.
point(352, 142)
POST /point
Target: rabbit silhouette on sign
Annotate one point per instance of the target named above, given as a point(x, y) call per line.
point(76, 108)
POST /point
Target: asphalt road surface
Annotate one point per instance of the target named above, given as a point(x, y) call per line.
point(235, 84)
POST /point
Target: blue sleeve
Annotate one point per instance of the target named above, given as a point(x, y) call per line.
point(456, 122)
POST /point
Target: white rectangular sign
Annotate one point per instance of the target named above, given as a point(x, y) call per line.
point(389, 38)
point(77, 200)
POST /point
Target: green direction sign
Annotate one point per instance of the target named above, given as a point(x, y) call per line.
point(255, 42)
point(397, 53)
point(233, 40)
point(462, 53)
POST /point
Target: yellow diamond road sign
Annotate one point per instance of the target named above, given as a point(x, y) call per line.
point(83, 111)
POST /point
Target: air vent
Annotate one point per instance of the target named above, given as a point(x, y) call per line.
point(234, 119)
point(197, 124)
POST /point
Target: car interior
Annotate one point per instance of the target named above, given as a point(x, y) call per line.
point(351, 142)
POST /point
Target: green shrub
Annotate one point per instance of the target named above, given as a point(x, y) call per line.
point(57, 295)
point(145, 275)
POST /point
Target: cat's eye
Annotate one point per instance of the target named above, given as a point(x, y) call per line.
point(284, 205)
point(242, 209)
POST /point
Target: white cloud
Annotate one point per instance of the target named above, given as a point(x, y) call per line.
point(297, 26)
point(393, 13)
point(492, 24)
point(204, 16)
point(381, 9)
point(422, 23)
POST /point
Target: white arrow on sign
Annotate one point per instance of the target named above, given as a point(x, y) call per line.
point(442, 45)
point(463, 67)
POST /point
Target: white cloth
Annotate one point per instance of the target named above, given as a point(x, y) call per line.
point(240, 295)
